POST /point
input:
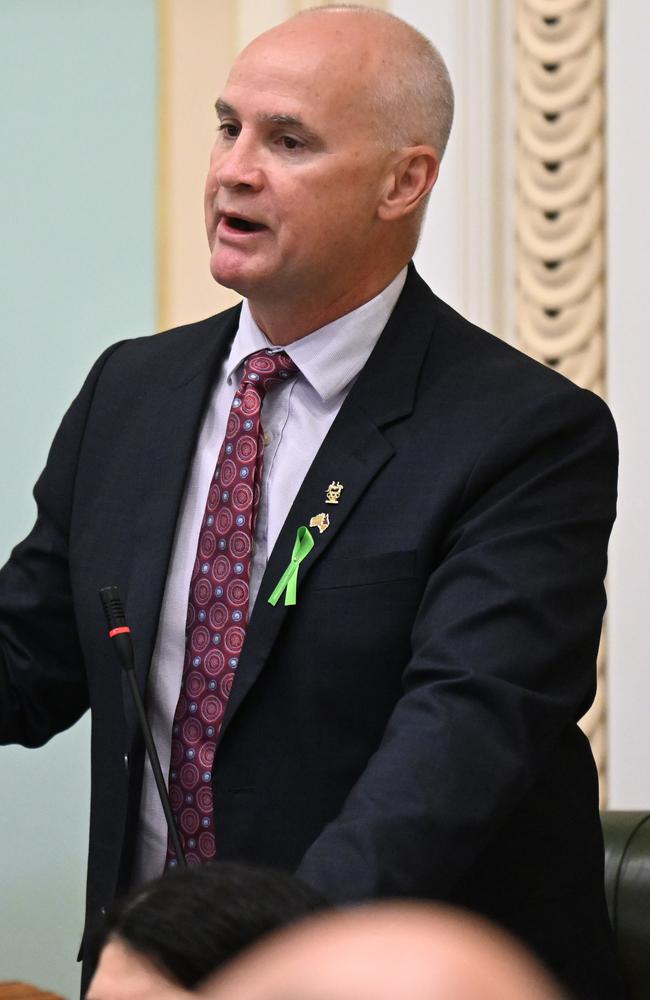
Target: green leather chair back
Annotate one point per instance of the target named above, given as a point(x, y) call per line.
point(627, 888)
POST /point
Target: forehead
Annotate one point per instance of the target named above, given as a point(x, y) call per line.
point(123, 974)
point(323, 75)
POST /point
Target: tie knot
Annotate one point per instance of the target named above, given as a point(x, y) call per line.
point(264, 368)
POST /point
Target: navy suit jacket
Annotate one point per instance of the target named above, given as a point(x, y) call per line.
point(409, 728)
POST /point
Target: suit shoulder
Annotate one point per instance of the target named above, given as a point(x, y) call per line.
point(500, 371)
point(171, 356)
point(180, 339)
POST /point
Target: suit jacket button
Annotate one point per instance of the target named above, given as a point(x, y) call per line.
point(126, 761)
point(102, 911)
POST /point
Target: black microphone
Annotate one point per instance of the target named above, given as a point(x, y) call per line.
point(120, 634)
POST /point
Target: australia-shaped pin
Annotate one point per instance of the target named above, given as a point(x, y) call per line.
point(320, 521)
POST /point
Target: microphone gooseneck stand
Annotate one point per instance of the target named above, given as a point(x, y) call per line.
point(120, 635)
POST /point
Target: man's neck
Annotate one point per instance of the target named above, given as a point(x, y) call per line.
point(286, 321)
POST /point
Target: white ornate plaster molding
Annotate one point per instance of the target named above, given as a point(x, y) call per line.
point(560, 311)
point(560, 210)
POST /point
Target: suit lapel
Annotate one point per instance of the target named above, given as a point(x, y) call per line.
point(353, 453)
point(174, 420)
point(353, 462)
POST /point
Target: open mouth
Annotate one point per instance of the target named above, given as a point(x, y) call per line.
point(243, 225)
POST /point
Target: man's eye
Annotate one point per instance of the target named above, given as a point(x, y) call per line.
point(229, 130)
point(290, 143)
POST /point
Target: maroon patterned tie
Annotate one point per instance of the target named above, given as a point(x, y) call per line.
point(217, 612)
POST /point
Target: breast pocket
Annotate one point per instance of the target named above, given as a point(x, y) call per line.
point(386, 567)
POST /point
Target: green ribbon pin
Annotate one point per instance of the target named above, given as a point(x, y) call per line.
point(289, 580)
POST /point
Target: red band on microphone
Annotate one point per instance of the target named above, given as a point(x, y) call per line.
point(119, 631)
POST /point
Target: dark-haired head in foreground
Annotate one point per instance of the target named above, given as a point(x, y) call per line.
point(185, 925)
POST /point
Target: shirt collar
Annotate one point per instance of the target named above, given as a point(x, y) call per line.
point(331, 357)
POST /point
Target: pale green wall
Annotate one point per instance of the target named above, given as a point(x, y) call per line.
point(77, 271)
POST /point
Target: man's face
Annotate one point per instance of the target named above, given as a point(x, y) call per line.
point(296, 170)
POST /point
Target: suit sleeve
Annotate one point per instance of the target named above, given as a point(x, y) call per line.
point(42, 677)
point(503, 659)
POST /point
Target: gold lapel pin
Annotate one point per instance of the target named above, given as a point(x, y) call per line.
point(333, 492)
point(320, 521)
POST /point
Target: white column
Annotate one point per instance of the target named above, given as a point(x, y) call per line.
point(628, 267)
point(465, 245)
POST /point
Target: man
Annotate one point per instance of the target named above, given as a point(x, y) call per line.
point(436, 505)
point(382, 951)
point(178, 930)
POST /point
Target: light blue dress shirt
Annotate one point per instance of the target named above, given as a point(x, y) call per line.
point(295, 417)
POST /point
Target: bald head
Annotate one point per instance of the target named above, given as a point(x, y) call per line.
point(411, 951)
point(397, 70)
point(410, 87)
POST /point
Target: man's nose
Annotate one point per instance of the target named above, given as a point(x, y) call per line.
point(238, 165)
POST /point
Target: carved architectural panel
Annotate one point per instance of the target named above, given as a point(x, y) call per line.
point(560, 209)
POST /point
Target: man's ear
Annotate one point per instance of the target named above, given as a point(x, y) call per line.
point(413, 174)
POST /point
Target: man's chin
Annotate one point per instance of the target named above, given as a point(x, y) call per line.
point(239, 275)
